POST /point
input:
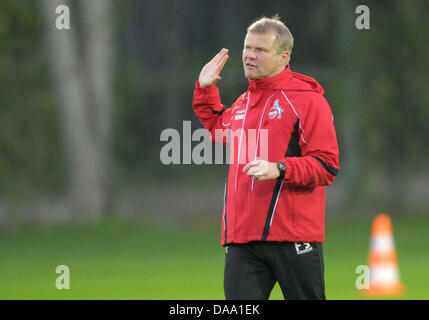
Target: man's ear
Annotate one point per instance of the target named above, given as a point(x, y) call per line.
point(285, 56)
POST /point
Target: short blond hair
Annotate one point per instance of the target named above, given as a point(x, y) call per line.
point(284, 38)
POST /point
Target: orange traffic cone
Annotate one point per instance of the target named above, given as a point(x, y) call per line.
point(383, 261)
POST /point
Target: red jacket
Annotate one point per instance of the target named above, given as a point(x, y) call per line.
point(299, 130)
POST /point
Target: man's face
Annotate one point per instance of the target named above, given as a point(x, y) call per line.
point(260, 57)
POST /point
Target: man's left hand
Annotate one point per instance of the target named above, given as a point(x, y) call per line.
point(262, 170)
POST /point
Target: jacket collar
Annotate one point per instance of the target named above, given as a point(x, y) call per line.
point(275, 82)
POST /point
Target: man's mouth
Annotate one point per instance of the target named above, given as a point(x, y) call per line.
point(250, 65)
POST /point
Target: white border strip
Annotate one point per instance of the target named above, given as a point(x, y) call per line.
point(257, 140)
point(275, 205)
point(241, 138)
point(302, 129)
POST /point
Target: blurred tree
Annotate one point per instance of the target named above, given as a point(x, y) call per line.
point(30, 157)
point(348, 71)
point(82, 82)
point(394, 58)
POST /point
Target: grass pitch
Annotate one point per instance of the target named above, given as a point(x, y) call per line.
point(117, 260)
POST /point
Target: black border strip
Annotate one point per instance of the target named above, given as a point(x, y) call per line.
point(293, 150)
point(225, 207)
point(333, 171)
point(218, 112)
point(271, 209)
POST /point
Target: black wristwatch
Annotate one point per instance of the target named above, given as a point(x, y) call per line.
point(282, 168)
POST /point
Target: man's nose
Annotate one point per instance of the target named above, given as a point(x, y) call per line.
point(250, 54)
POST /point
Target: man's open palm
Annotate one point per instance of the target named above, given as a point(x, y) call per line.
point(210, 73)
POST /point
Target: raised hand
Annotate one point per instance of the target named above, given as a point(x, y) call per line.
point(210, 73)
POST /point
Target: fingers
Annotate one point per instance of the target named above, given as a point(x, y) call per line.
point(255, 168)
point(258, 174)
point(250, 165)
point(261, 170)
point(220, 56)
point(222, 63)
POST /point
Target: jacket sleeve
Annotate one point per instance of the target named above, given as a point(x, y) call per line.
point(213, 115)
point(319, 161)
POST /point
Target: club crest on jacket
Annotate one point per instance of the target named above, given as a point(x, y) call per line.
point(275, 111)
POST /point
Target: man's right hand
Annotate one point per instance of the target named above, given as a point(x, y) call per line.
point(210, 73)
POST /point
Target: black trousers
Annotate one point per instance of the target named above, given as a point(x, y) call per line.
point(252, 270)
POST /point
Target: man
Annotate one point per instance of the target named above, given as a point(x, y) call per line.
point(274, 208)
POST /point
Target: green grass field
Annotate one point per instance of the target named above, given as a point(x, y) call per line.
point(134, 261)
